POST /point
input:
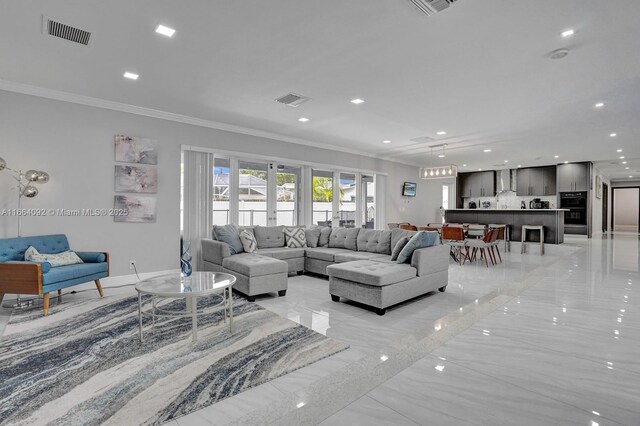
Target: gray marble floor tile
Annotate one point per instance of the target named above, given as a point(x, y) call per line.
point(367, 412)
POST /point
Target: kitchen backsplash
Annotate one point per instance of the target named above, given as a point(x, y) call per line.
point(508, 200)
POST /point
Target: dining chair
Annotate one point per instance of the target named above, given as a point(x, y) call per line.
point(453, 236)
point(476, 230)
point(408, 227)
point(499, 236)
point(484, 246)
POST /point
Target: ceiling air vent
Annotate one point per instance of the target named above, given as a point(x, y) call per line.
point(423, 139)
point(430, 7)
point(58, 29)
point(292, 100)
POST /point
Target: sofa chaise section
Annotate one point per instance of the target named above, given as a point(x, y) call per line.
point(382, 284)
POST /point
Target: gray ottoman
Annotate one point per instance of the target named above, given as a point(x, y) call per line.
point(380, 284)
point(257, 274)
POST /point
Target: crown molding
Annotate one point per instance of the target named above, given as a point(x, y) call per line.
point(57, 95)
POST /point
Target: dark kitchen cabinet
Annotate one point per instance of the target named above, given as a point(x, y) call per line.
point(573, 177)
point(478, 184)
point(536, 181)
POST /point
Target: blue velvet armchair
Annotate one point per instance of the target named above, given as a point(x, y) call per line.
point(18, 276)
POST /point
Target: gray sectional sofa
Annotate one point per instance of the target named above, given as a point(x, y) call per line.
point(357, 262)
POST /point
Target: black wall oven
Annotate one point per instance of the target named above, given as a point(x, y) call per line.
point(576, 217)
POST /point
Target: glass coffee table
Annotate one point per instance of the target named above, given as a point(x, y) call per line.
point(173, 286)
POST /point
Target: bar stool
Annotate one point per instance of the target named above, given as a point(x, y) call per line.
point(524, 241)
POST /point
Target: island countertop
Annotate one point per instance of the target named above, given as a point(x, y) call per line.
point(551, 219)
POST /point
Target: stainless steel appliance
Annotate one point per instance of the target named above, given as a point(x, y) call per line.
point(575, 220)
point(537, 203)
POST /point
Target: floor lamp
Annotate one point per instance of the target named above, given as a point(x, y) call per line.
point(27, 189)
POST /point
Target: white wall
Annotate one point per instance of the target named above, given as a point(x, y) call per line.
point(432, 190)
point(596, 203)
point(74, 143)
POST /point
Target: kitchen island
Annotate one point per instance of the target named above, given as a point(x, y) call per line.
point(551, 219)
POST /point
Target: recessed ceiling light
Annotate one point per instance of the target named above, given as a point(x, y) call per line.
point(566, 162)
point(599, 105)
point(613, 135)
point(130, 75)
point(303, 119)
point(556, 156)
point(441, 133)
point(506, 161)
point(386, 141)
point(440, 155)
point(519, 165)
point(622, 157)
point(567, 33)
point(630, 176)
point(480, 169)
point(624, 162)
point(626, 168)
point(165, 31)
point(357, 101)
point(618, 150)
point(464, 165)
point(486, 150)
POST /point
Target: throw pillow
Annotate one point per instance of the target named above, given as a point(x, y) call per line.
point(55, 259)
point(420, 240)
point(399, 246)
point(295, 237)
point(312, 235)
point(325, 233)
point(229, 234)
point(248, 240)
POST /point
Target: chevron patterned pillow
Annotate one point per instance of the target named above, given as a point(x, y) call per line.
point(295, 237)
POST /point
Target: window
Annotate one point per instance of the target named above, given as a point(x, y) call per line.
point(322, 197)
point(252, 193)
point(369, 202)
point(347, 206)
point(287, 195)
point(221, 191)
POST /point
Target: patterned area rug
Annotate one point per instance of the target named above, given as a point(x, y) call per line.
point(84, 364)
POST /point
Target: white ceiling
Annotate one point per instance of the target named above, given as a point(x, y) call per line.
point(479, 70)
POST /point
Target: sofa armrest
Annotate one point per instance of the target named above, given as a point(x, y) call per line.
point(431, 259)
point(92, 256)
point(21, 277)
point(44, 266)
point(214, 251)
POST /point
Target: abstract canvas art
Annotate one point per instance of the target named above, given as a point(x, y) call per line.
point(136, 179)
point(141, 209)
point(136, 150)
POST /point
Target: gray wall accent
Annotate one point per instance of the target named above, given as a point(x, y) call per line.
point(74, 143)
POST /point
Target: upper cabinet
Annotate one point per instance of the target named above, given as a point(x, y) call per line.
point(536, 181)
point(478, 184)
point(573, 177)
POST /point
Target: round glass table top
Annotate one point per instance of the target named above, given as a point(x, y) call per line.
point(173, 285)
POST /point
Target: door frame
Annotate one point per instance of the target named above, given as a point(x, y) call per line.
point(605, 207)
point(613, 198)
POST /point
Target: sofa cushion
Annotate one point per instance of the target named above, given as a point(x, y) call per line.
point(312, 235)
point(248, 241)
point(398, 248)
point(269, 236)
point(253, 265)
point(374, 241)
point(357, 255)
point(324, 253)
point(70, 272)
point(344, 238)
point(281, 253)
point(295, 237)
point(229, 234)
point(325, 233)
point(372, 273)
point(421, 239)
point(398, 233)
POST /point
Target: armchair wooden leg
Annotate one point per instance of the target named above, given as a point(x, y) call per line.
point(45, 304)
point(99, 287)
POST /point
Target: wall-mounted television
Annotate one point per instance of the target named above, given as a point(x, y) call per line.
point(409, 189)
